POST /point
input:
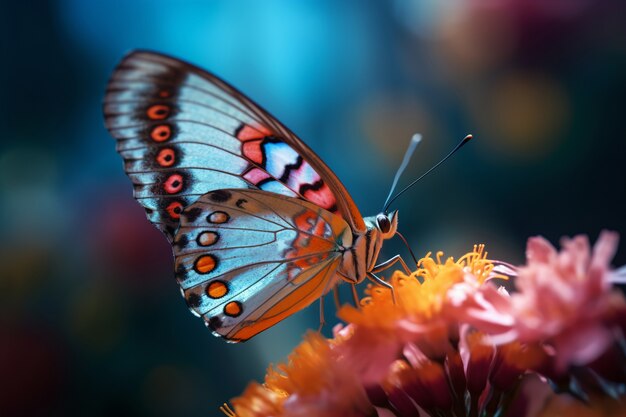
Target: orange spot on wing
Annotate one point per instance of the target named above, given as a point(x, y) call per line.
point(158, 112)
point(233, 309)
point(174, 209)
point(161, 133)
point(205, 264)
point(217, 289)
point(166, 157)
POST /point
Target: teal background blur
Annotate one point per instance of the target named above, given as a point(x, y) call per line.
point(91, 319)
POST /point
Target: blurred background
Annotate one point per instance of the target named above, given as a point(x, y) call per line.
point(92, 322)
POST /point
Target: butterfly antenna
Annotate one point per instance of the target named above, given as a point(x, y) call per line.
point(452, 152)
point(415, 140)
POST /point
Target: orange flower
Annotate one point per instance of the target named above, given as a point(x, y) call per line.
point(308, 385)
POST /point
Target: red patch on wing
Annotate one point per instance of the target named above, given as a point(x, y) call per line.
point(322, 197)
point(248, 132)
point(311, 223)
point(251, 137)
point(252, 150)
point(309, 246)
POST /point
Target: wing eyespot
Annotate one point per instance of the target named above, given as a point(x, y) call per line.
point(233, 309)
point(158, 112)
point(173, 184)
point(161, 133)
point(207, 238)
point(217, 289)
point(166, 157)
point(205, 264)
point(218, 217)
point(174, 209)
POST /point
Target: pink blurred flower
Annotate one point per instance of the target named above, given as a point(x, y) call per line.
point(566, 298)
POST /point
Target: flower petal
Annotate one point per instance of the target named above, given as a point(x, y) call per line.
point(540, 250)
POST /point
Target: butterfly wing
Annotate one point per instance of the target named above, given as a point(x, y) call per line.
point(183, 132)
point(246, 259)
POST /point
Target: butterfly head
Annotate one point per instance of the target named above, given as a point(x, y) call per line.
point(387, 223)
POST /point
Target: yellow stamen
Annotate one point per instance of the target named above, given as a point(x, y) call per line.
point(225, 408)
point(421, 295)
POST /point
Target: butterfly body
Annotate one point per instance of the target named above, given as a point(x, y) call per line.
point(259, 225)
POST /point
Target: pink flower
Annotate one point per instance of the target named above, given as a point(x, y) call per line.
point(565, 298)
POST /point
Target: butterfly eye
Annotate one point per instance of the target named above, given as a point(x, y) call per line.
point(383, 223)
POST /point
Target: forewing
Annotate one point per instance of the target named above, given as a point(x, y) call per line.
point(246, 259)
point(183, 132)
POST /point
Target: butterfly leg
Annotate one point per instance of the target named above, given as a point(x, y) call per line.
point(355, 295)
point(322, 320)
point(408, 247)
point(389, 263)
point(383, 283)
point(336, 297)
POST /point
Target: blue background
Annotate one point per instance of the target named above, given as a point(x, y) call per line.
point(91, 320)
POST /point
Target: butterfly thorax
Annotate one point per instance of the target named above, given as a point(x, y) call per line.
point(361, 257)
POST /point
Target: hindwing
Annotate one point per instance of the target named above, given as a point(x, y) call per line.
point(246, 259)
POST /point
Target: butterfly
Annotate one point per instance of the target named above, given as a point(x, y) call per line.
point(260, 226)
